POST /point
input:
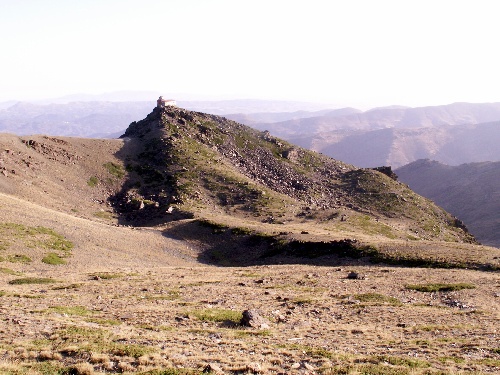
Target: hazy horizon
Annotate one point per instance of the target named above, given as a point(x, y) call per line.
point(361, 54)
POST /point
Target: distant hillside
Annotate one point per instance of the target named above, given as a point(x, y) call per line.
point(469, 191)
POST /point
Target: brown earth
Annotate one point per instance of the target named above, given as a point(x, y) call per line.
point(146, 299)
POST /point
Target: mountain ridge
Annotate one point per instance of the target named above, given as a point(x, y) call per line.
point(216, 164)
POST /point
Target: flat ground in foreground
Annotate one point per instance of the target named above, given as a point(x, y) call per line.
point(137, 320)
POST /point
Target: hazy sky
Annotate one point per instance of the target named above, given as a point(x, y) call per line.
point(359, 53)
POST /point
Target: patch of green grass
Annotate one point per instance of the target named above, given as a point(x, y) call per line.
point(33, 280)
point(93, 181)
point(115, 169)
point(96, 340)
point(76, 334)
point(451, 359)
point(19, 258)
point(71, 310)
point(36, 237)
point(248, 333)
point(53, 259)
point(377, 299)
point(439, 287)
point(403, 362)
point(70, 286)
point(8, 271)
point(217, 315)
point(104, 322)
point(310, 350)
point(106, 275)
point(48, 368)
point(250, 274)
point(169, 296)
point(2, 293)
point(154, 328)
point(130, 350)
point(103, 215)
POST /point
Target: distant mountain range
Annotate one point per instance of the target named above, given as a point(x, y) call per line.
point(468, 191)
point(77, 119)
point(81, 116)
point(453, 134)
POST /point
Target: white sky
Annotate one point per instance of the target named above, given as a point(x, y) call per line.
point(350, 52)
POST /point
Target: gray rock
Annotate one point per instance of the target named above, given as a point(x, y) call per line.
point(252, 318)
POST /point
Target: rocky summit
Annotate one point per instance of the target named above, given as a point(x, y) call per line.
point(187, 164)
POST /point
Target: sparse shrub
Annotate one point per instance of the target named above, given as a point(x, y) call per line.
point(439, 287)
point(53, 259)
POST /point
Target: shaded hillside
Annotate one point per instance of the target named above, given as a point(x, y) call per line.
point(469, 191)
point(190, 163)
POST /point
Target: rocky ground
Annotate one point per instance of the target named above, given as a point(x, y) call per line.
point(314, 320)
